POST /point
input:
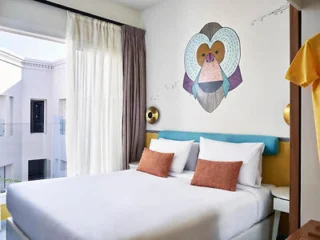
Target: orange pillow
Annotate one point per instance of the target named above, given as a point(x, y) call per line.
point(221, 175)
point(155, 163)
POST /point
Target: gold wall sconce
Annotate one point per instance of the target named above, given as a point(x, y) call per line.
point(152, 115)
point(286, 114)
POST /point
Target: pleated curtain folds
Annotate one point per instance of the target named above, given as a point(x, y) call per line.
point(94, 97)
point(134, 94)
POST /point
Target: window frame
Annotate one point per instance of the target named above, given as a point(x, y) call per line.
point(44, 116)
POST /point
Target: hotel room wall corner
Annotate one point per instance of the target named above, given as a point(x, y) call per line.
point(276, 169)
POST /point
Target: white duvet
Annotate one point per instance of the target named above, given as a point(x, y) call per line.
point(133, 205)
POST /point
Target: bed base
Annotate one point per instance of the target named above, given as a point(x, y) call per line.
point(14, 232)
point(261, 231)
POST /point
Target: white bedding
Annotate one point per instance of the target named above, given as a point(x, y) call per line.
point(133, 205)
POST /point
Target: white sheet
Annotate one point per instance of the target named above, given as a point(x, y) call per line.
point(185, 174)
point(133, 205)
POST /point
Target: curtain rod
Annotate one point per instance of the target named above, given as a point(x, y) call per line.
point(79, 12)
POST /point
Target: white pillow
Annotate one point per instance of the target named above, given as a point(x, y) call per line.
point(193, 157)
point(249, 153)
point(180, 149)
point(185, 174)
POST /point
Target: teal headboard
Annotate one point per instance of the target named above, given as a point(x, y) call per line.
point(271, 143)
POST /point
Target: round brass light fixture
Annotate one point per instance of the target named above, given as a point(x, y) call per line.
point(152, 115)
point(286, 114)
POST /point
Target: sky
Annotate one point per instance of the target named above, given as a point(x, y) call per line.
point(29, 47)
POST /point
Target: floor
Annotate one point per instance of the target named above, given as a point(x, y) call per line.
point(3, 230)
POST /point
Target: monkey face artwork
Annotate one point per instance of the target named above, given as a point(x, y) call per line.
point(212, 65)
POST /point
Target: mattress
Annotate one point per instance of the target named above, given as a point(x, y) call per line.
point(133, 205)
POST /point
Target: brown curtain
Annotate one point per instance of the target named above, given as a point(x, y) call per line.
point(134, 94)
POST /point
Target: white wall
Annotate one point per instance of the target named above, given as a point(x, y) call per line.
point(256, 106)
point(310, 168)
point(34, 17)
point(105, 8)
point(10, 85)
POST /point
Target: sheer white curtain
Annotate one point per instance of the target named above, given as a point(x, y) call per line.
point(94, 98)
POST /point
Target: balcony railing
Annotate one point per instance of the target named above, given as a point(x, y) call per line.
point(24, 154)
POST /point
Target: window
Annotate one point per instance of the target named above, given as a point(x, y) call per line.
point(10, 116)
point(1, 127)
point(62, 114)
point(2, 114)
point(36, 169)
point(37, 116)
point(2, 179)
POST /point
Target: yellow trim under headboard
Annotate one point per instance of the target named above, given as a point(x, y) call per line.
point(275, 168)
point(4, 212)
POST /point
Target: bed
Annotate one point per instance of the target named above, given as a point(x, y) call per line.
point(92, 207)
point(136, 205)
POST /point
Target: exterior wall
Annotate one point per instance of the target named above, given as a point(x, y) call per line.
point(37, 85)
point(310, 167)
point(10, 85)
point(32, 80)
point(256, 106)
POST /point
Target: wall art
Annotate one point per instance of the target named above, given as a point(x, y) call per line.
point(211, 63)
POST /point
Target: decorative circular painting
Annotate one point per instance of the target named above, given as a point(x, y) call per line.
point(212, 65)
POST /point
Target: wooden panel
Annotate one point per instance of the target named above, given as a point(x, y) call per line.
point(149, 136)
point(295, 127)
point(284, 225)
point(310, 231)
point(275, 169)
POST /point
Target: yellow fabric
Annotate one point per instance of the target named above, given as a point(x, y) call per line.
point(305, 70)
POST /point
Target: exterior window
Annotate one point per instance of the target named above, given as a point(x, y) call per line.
point(36, 169)
point(2, 115)
point(37, 116)
point(2, 179)
point(62, 114)
point(10, 116)
point(1, 127)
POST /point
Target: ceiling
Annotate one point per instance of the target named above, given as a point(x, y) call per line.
point(33, 48)
point(296, 3)
point(139, 5)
